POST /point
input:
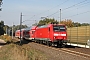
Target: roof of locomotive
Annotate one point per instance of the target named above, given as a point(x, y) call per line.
point(43, 26)
point(30, 28)
point(33, 27)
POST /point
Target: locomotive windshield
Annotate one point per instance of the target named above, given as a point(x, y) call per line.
point(59, 28)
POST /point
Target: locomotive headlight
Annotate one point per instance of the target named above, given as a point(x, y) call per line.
point(59, 34)
point(56, 34)
point(63, 34)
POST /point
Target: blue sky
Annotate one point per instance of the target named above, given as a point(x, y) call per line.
point(33, 10)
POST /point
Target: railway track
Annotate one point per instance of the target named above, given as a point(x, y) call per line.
point(74, 53)
point(65, 50)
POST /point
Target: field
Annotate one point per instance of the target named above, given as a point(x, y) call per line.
point(79, 34)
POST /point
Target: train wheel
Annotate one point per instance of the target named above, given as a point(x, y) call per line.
point(59, 45)
point(36, 41)
point(41, 42)
point(49, 43)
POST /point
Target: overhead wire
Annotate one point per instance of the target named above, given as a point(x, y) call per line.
point(76, 14)
point(74, 5)
point(78, 4)
point(67, 8)
point(49, 9)
point(54, 7)
point(84, 4)
point(79, 7)
point(52, 14)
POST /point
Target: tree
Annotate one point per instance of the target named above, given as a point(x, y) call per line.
point(1, 27)
point(15, 27)
point(6, 27)
point(47, 21)
point(76, 24)
point(85, 24)
point(67, 22)
point(0, 4)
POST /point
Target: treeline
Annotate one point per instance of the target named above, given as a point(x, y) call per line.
point(14, 28)
point(5, 29)
point(47, 21)
point(67, 22)
point(70, 23)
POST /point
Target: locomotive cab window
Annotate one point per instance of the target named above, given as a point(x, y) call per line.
point(59, 28)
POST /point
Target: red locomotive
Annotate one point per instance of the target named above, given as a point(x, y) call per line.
point(51, 34)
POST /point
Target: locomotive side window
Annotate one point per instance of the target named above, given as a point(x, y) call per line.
point(49, 28)
point(59, 28)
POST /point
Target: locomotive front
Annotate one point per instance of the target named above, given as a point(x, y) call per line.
point(59, 34)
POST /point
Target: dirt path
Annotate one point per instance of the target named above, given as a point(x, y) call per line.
point(2, 42)
point(0, 46)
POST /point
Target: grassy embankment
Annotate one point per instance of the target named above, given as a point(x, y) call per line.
point(24, 52)
point(13, 51)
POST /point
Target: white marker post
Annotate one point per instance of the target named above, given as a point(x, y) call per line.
point(88, 43)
